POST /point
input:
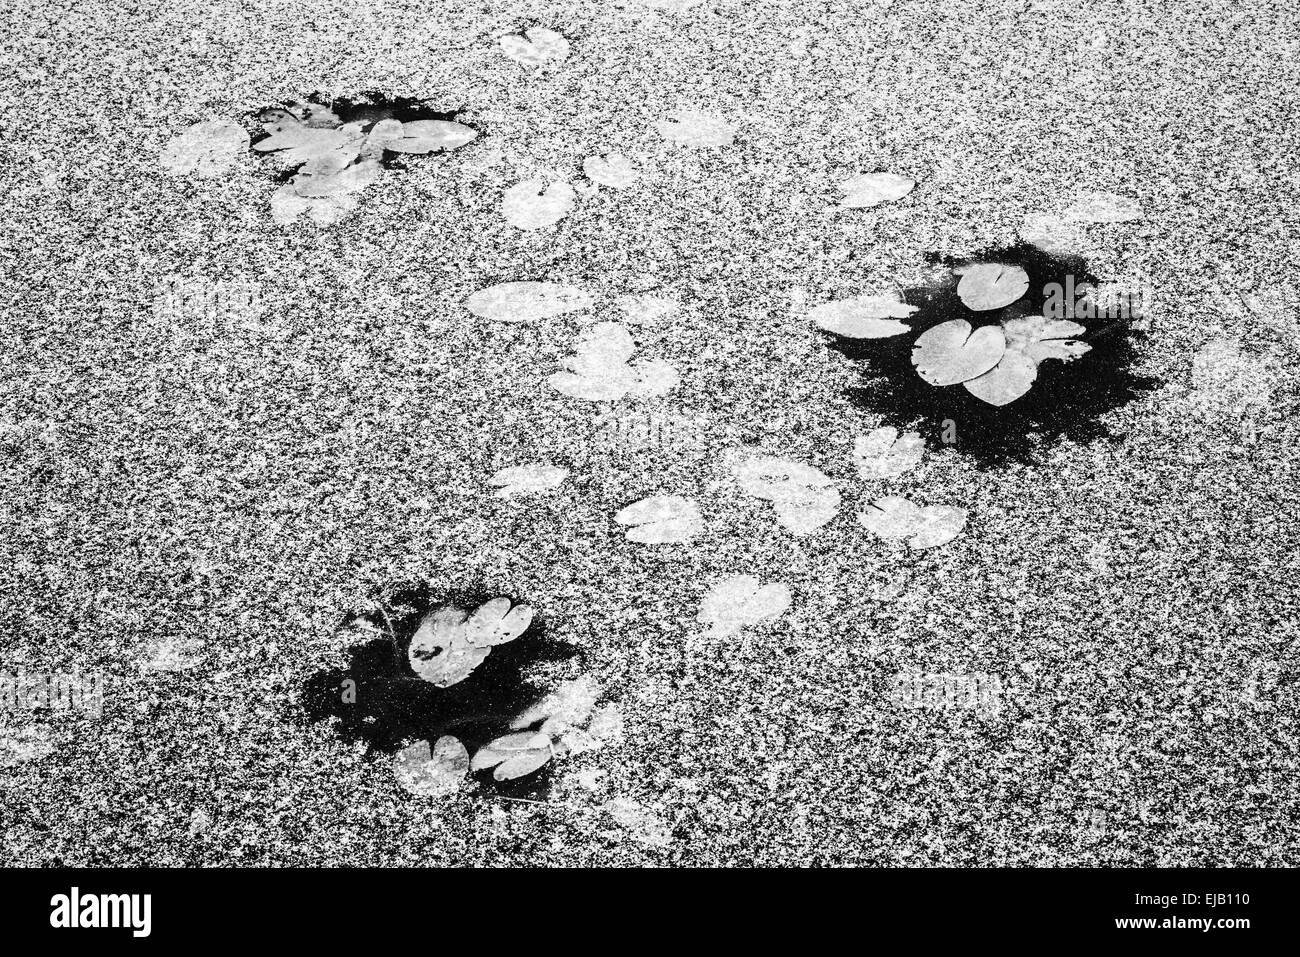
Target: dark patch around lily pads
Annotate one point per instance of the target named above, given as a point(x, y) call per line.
point(1068, 400)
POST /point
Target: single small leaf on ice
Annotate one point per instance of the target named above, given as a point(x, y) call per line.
point(1053, 234)
point(662, 520)
point(206, 149)
point(541, 46)
point(569, 705)
point(952, 352)
point(613, 170)
point(894, 517)
point(525, 479)
point(872, 189)
point(533, 204)
point(426, 136)
point(806, 515)
point(599, 369)
point(24, 744)
point(738, 601)
point(1041, 338)
point(863, 317)
point(646, 309)
point(432, 773)
point(641, 824)
point(985, 286)
point(696, 128)
point(527, 301)
point(1104, 207)
point(885, 454)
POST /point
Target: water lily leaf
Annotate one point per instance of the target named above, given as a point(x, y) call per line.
point(527, 301)
point(528, 479)
point(426, 136)
point(495, 623)
point(985, 286)
point(885, 454)
point(1102, 207)
point(872, 189)
point(296, 144)
point(863, 317)
point(1007, 381)
point(1052, 233)
point(348, 179)
point(804, 499)
point(640, 823)
point(662, 520)
point(599, 369)
point(435, 772)
point(534, 205)
point(569, 705)
point(805, 516)
point(524, 763)
point(894, 517)
point(205, 149)
point(696, 128)
point(1041, 338)
point(647, 310)
point(738, 601)
point(952, 352)
point(287, 206)
point(614, 170)
point(541, 46)
point(23, 744)
point(450, 643)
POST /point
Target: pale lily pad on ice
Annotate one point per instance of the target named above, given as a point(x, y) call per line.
point(1102, 207)
point(662, 520)
point(697, 128)
point(436, 772)
point(894, 517)
point(527, 301)
point(1053, 234)
point(538, 46)
point(528, 479)
point(613, 170)
point(803, 498)
point(205, 149)
point(427, 136)
point(599, 369)
point(986, 286)
point(863, 317)
point(953, 352)
point(740, 600)
point(872, 189)
point(533, 204)
point(885, 454)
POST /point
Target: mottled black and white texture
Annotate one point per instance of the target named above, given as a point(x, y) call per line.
point(250, 488)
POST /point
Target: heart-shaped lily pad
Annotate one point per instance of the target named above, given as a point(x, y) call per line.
point(893, 517)
point(872, 189)
point(952, 352)
point(533, 204)
point(863, 317)
point(986, 286)
point(527, 301)
point(662, 520)
point(1030, 340)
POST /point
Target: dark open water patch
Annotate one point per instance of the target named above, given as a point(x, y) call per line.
point(1067, 400)
point(394, 707)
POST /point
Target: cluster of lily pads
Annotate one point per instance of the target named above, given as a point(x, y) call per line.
point(335, 160)
point(449, 644)
point(995, 363)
